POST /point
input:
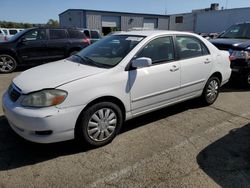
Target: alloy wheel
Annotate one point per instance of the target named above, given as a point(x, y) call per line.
point(212, 90)
point(7, 63)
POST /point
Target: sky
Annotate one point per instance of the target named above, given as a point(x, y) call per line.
point(40, 11)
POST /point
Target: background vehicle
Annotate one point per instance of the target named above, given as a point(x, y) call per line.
point(236, 40)
point(39, 45)
point(93, 35)
point(115, 79)
point(6, 34)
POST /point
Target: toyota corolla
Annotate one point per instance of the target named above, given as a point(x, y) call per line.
point(89, 95)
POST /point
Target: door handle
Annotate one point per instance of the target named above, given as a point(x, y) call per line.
point(174, 68)
point(207, 61)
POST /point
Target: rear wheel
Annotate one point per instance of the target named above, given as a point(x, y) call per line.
point(7, 63)
point(99, 124)
point(211, 91)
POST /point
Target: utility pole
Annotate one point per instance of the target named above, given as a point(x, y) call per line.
point(166, 7)
point(226, 4)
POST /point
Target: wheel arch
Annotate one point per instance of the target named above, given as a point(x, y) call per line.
point(218, 75)
point(11, 53)
point(112, 99)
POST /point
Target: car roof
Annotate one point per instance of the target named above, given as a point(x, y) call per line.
point(147, 33)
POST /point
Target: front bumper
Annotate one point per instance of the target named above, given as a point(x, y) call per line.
point(27, 122)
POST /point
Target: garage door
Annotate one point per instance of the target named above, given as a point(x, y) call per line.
point(111, 21)
point(150, 23)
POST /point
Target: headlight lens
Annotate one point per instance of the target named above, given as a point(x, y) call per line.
point(44, 98)
point(240, 55)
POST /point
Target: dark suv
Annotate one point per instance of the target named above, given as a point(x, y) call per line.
point(39, 45)
point(236, 40)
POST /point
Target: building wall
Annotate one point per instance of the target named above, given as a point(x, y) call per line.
point(126, 23)
point(93, 21)
point(218, 21)
point(163, 23)
point(72, 19)
point(187, 25)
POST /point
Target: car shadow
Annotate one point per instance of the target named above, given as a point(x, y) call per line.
point(234, 86)
point(16, 152)
point(227, 161)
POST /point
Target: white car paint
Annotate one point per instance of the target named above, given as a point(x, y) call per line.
point(141, 91)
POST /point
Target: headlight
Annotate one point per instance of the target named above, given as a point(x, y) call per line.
point(240, 55)
point(44, 98)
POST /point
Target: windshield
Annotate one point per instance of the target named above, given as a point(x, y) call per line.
point(109, 51)
point(16, 36)
point(241, 31)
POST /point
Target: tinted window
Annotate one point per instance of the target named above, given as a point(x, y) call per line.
point(12, 31)
point(95, 35)
point(1, 32)
point(57, 34)
point(36, 34)
point(159, 50)
point(76, 34)
point(190, 47)
point(238, 31)
point(86, 32)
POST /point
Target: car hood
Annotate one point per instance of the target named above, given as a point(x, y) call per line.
point(54, 74)
point(233, 43)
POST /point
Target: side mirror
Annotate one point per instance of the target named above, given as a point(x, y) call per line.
point(141, 62)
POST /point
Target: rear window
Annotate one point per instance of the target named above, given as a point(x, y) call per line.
point(57, 34)
point(76, 34)
point(95, 35)
point(12, 32)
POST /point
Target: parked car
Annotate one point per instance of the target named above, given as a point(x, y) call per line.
point(93, 35)
point(40, 45)
point(89, 95)
point(6, 34)
point(236, 40)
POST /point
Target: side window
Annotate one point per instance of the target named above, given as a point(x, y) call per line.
point(57, 34)
point(12, 31)
point(37, 34)
point(5, 31)
point(76, 34)
point(1, 32)
point(86, 32)
point(190, 47)
point(159, 50)
point(95, 35)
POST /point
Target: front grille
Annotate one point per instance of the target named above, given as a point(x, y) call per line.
point(13, 93)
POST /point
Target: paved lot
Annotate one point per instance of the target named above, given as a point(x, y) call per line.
point(182, 146)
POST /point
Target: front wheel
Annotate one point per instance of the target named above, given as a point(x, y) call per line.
point(7, 63)
point(248, 79)
point(99, 124)
point(211, 91)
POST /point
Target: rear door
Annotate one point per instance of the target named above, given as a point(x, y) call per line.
point(57, 44)
point(32, 46)
point(196, 64)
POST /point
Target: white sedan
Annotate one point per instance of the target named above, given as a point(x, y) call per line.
point(89, 95)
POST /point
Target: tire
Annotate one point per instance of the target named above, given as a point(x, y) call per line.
point(7, 63)
point(211, 91)
point(247, 79)
point(99, 124)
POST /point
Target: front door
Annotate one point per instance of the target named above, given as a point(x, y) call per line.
point(33, 46)
point(157, 85)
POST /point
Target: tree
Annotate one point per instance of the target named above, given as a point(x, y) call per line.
point(52, 23)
